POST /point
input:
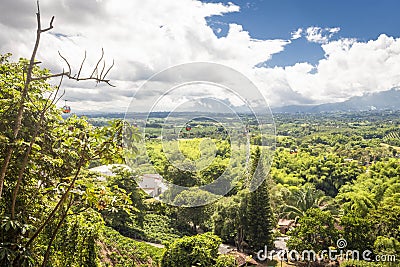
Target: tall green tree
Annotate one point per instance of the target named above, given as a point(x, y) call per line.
point(316, 231)
point(357, 232)
point(259, 217)
point(194, 206)
point(229, 218)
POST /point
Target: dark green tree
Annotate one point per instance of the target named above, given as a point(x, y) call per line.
point(357, 232)
point(259, 217)
point(229, 217)
point(316, 231)
point(191, 206)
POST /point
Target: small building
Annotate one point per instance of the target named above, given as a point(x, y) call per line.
point(243, 259)
point(285, 225)
point(152, 184)
point(107, 170)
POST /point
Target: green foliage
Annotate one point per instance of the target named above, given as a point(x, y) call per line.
point(298, 200)
point(379, 186)
point(316, 231)
point(386, 221)
point(159, 228)
point(198, 250)
point(225, 261)
point(328, 172)
point(123, 180)
point(191, 206)
point(46, 182)
point(387, 246)
point(228, 217)
point(9, 227)
point(119, 251)
point(357, 232)
point(259, 220)
point(192, 165)
point(76, 242)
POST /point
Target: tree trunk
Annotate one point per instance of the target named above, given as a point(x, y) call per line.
point(18, 120)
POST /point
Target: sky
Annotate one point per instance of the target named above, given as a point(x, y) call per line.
point(295, 52)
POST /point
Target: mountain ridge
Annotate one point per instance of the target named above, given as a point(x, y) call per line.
point(384, 100)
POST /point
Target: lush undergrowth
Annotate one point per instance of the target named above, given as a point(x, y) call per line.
point(159, 229)
point(119, 251)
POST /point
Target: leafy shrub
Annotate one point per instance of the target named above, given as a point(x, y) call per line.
point(75, 244)
point(225, 261)
point(119, 251)
point(198, 250)
point(158, 228)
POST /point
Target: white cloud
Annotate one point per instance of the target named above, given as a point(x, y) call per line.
point(297, 34)
point(350, 68)
point(145, 37)
point(320, 35)
point(315, 34)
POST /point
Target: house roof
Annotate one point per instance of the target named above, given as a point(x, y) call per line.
point(243, 259)
point(285, 222)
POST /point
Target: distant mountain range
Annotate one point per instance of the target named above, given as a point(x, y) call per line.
point(386, 100)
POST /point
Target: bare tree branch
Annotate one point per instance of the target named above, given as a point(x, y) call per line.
point(66, 61)
point(80, 69)
point(50, 27)
point(77, 77)
point(58, 88)
point(98, 62)
point(102, 69)
point(112, 65)
point(66, 74)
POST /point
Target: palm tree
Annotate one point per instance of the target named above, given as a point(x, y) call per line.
point(299, 200)
point(356, 198)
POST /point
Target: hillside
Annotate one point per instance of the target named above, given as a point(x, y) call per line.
point(386, 100)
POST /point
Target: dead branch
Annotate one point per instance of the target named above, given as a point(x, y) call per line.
point(50, 27)
point(94, 76)
point(98, 62)
point(66, 61)
point(80, 68)
point(108, 70)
